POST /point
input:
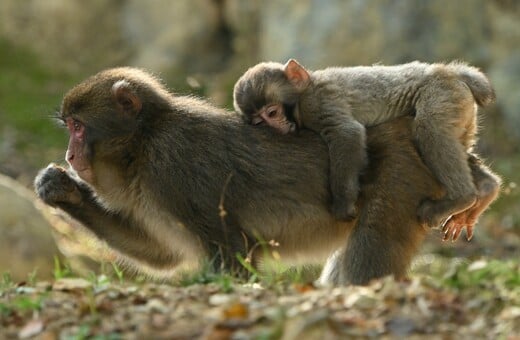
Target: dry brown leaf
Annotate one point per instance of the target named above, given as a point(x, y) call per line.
point(304, 288)
point(236, 311)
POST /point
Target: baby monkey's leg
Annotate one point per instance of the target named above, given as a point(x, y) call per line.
point(444, 130)
point(488, 187)
point(346, 141)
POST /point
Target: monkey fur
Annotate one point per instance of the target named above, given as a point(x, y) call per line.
point(339, 102)
point(170, 182)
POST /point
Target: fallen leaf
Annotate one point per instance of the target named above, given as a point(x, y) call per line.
point(401, 326)
point(31, 329)
point(236, 311)
point(219, 299)
point(68, 284)
point(159, 321)
point(304, 288)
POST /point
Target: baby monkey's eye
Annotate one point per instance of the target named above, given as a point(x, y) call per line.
point(272, 111)
point(257, 120)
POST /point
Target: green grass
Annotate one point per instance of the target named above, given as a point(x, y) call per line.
point(484, 273)
point(61, 270)
point(509, 201)
point(22, 304)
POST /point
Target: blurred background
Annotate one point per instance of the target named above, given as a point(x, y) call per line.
point(201, 47)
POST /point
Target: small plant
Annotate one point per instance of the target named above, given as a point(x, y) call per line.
point(119, 272)
point(61, 270)
point(225, 282)
point(246, 263)
point(7, 281)
point(25, 303)
point(483, 273)
point(82, 333)
point(32, 277)
point(99, 282)
point(206, 276)
point(5, 309)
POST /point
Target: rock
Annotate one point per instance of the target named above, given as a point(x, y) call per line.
point(323, 33)
point(32, 234)
point(202, 46)
point(335, 32)
point(74, 36)
point(26, 242)
point(82, 249)
point(187, 36)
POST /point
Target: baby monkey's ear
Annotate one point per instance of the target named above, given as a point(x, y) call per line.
point(297, 74)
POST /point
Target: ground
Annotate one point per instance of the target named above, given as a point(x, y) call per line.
point(476, 300)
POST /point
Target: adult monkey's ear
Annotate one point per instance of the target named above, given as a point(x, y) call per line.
point(127, 101)
point(297, 74)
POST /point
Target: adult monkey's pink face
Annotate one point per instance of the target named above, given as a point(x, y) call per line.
point(87, 121)
point(77, 150)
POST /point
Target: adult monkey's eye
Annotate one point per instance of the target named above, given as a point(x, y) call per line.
point(76, 124)
point(75, 127)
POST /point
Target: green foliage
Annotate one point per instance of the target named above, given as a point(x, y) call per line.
point(26, 303)
point(61, 270)
point(246, 263)
point(83, 333)
point(206, 276)
point(22, 304)
point(5, 309)
point(99, 282)
point(119, 272)
point(113, 336)
point(29, 95)
point(483, 273)
point(6, 282)
point(32, 277)
point(507, 207)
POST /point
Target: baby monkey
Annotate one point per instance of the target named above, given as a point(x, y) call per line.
point(339, 102)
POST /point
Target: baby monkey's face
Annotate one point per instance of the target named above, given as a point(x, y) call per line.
point(273, 115)
point(268, 93)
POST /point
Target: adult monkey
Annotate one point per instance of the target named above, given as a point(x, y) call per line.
point(155, 168)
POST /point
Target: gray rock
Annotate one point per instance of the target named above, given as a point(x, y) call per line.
point(202, 46)
point(26, 243)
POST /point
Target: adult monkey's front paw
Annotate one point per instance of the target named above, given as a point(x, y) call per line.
point(54, 186)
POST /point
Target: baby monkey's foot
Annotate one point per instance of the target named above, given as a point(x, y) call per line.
point(455, 224)
point(344, 211)
point(344, 199)
point(434, 213)
point(468, 218)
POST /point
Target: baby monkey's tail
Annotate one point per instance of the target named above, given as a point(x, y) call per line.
point(477, 82)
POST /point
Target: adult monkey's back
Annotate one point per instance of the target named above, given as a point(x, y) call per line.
point(159, 170)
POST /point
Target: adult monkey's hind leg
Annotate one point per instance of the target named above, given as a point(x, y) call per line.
point(387, 233)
